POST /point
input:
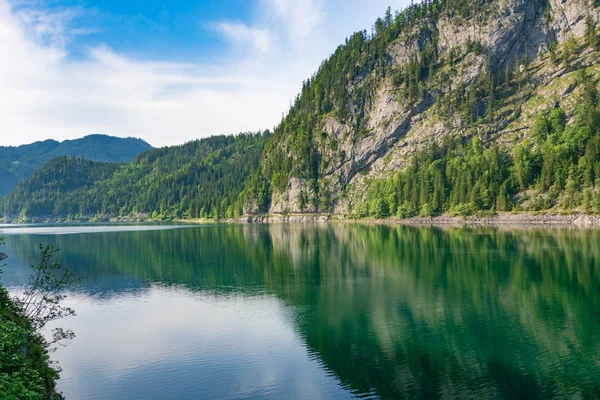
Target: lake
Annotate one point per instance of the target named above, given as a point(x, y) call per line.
point(324, 311)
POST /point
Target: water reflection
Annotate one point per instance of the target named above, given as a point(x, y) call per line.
point(169, 343)
point(332, 310)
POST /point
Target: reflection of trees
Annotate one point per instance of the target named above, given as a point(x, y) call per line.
point(458, 311)
point(401, 311)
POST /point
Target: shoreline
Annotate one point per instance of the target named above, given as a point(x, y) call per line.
point(577, 220)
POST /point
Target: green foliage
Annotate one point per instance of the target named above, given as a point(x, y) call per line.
point(18, 163)
point(427, 210)
point(382, 210)
point(451, 177)
point(472, 103)
point(41, 300)
point(25, 368)
point(179, 181)
point(552, 48)
point(46, 192)
point(462, 210)
point(591, 34)
point(570, 50)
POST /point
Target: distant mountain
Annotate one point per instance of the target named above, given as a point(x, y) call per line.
point(18, 163)
point(203, 178)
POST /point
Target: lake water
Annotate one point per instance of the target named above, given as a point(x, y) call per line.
point(324, 311)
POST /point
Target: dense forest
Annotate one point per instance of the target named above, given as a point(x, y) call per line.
point(203, 178)
point(44, 192)
point(18, 163)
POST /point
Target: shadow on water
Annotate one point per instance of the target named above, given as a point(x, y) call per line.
point(394, 312)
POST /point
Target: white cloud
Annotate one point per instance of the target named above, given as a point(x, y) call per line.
point(240, 33)
point(51, 28)
point(44, 93)
point(299, 18)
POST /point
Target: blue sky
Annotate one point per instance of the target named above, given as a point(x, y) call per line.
point(167, 72)
point(178, 30)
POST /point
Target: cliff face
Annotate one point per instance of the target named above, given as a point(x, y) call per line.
point(393, 119)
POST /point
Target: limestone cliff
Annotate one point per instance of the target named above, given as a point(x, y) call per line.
point(324, 156)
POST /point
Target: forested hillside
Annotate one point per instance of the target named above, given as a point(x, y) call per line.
point(203, 178)
point(446, 107)
point(17, 163)
point(45, 192)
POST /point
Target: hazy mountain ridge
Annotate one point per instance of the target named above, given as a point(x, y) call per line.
point(17, 163)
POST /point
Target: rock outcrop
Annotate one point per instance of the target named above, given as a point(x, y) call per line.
point(514, 34)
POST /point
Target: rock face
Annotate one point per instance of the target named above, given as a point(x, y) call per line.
point(512, 30)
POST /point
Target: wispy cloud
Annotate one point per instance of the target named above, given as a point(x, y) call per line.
point(51, 28)
point(45, 93)
point(259, 38)
point(298, 18)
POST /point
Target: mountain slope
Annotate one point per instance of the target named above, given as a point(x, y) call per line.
point(203, 178)
point(17, 163)
point(386, 125)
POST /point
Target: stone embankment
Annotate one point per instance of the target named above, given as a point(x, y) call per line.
point(516, 219)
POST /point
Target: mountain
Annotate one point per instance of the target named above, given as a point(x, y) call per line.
point(450, 106)
point(17, 163)
point(38, 194)
point(447, 107)
point(200, 178)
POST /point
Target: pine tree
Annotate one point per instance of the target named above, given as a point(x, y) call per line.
point(490, 89)
point(587, 200)
point(491, 101)
point(570, 50)
point(382, 209)
point(552, 51)
point(591, 34)
point(507, 75)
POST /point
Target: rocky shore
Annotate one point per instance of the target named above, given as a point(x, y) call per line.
point(506, 219)
point(524, 219)
point(516, 219)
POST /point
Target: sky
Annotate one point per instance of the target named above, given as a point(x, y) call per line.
point(164, 71)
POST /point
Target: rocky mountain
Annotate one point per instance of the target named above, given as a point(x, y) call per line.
point(17, 163)
point(386, 123)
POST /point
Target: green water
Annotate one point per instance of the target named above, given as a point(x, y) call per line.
point(326, 311)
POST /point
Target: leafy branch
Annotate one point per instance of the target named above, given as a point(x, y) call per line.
point(41, 302)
